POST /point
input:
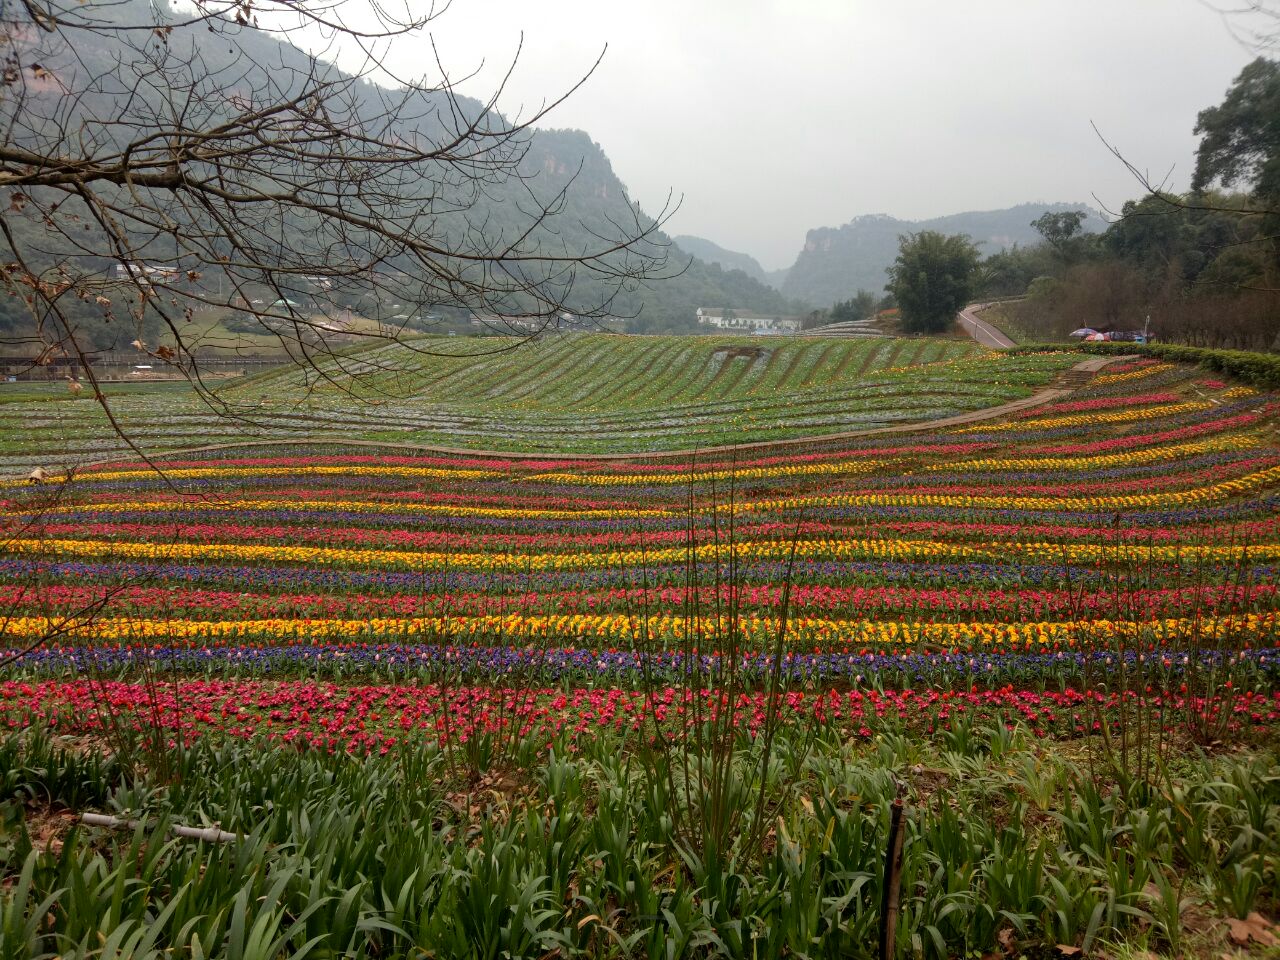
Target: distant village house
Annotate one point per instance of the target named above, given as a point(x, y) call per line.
point(746, 321)
point(145, 273)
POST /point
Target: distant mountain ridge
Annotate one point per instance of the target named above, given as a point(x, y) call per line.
point(837, 262)
point(586, 218)
point(598, 198)
point(712, 252)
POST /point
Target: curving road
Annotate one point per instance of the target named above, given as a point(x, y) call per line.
point(980, 330)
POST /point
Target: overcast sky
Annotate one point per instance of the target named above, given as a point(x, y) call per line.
point(773, 117)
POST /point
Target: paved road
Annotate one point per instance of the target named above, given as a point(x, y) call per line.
point(980, 330)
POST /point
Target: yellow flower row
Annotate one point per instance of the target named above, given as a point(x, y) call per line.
point(633, 559)
point(1128, 458)
point(621, 630)
point(1227, 489)
point(1081, 419)
point(1109, 378)
point(1250, 483)
point(232, 473)
point(845, 468)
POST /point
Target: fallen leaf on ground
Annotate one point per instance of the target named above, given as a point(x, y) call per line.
point(1255, 928)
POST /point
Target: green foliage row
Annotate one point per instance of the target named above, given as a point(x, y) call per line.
point(597, 373)
point(575, 855)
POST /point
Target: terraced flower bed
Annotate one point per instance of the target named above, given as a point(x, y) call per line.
point(481, 705)
point(958, 540)
point(573, 393)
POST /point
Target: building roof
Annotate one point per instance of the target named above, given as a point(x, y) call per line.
point(709, 312)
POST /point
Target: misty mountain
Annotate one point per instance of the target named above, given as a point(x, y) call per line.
point(598, 198)
point(111, 107)
point(712, 252)
point(836, 262)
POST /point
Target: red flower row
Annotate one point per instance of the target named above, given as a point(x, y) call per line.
point(364, 718)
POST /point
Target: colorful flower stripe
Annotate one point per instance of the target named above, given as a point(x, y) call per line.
point(977, 576)
point(1156, 454)
point(372, 718)
point(622, 629)
point(845, 468)
point(1127, 376)
point(1257, 480)
point(1250, 483)
point(1207, 522)
point(487, 465)
point(1211, 426)
point(408, 473)
point(1251, 532)
point(234, 504)
point(1101, 403)
point(1192, 473)
point(637, 559)
point(64, 599)
point(408, 538)
point(1091, 419)
point(1254, 669)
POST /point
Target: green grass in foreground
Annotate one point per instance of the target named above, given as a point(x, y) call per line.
point(1012, 847)
point(589, 393)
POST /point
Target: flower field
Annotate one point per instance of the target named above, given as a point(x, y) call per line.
point(701, 674)
point(581, 393)
point(1123, 514)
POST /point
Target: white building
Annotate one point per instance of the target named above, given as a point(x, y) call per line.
point(746, 321)
point(145, 274)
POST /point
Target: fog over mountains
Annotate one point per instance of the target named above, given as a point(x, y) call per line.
point(833, 264)
point(837, 262)
point(473, 215)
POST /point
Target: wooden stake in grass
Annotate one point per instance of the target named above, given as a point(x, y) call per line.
point(892, 880)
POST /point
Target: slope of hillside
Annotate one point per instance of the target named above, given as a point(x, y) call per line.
point(474, 215)
point(712, 252)
point(836, 262)
point(574, 393)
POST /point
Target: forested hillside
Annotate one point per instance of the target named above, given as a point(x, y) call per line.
point(549, 193)
point(712, 252)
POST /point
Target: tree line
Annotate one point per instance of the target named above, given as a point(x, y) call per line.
point(1202, 265)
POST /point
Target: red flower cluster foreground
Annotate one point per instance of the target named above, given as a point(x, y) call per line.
point(376, 718)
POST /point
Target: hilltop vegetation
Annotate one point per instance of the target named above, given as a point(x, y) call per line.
point(711, 252)
point(1200, 268)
